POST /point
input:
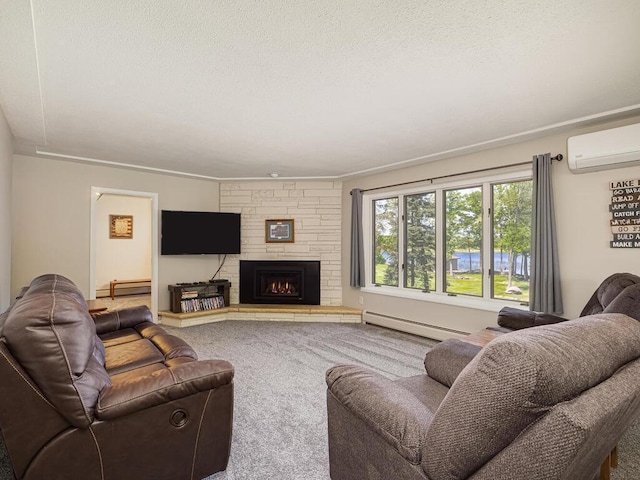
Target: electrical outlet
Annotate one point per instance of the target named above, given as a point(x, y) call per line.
point(361, 300)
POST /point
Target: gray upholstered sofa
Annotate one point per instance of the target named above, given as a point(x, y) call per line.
point(540, 403)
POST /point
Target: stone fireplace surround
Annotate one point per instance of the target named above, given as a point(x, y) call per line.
point(280, 282)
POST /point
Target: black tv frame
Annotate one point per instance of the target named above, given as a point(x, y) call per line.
point(183, 233)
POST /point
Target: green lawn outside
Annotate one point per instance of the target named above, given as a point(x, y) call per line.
point(381, 268)
point(471, 284)
point(500, 285)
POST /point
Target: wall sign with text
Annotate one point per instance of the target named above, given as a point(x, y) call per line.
point(625, 213)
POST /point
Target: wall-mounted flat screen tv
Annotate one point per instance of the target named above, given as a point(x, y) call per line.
point(199, 233)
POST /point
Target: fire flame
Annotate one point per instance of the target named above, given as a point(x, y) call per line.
point(281, 288)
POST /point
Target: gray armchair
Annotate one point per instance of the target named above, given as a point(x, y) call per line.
point(618, 293)
point(543, 403)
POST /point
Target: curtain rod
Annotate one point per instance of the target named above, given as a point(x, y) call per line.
point(557, 158)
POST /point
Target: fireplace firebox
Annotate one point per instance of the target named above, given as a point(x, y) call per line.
point(280, 282)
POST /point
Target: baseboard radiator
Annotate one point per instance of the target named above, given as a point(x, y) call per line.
point(411, 326)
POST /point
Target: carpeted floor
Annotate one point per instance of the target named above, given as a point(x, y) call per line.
point(280, 419)
point(280, 408)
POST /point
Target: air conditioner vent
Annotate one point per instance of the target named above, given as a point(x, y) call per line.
point(612, 148)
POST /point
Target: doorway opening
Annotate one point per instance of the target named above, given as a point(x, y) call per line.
point(119, 227)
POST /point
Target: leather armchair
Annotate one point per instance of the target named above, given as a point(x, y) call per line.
point(111, 398)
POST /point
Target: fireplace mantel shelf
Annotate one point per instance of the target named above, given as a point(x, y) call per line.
point(300, 313)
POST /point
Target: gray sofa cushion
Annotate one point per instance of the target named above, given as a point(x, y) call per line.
point(627, 302)
point(447, 359)
point(430, 392)
point(388, 409)
point(572, 439)
point(515, 380)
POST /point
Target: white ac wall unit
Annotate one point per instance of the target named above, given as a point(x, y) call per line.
point(613, 148)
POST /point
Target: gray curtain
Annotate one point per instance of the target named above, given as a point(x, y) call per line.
point(357, 245)
point(545, 293)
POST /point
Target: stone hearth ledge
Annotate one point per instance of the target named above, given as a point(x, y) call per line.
point(274, 313)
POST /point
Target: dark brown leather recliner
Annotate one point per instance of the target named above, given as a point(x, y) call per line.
point(618, 293)
point(112, 398)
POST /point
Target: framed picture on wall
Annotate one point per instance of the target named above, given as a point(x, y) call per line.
point(279, 231)
point(120, 226)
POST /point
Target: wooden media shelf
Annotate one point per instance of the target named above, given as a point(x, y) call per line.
point(188, 298)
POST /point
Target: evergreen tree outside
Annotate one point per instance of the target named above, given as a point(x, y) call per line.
point(420, 235)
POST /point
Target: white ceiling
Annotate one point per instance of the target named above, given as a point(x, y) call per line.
point(239, 88)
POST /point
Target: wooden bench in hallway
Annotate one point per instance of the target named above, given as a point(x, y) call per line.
point(113, 283)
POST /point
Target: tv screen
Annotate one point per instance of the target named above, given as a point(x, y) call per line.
point(199, 233)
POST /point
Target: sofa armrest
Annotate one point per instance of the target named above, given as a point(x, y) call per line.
point(113, 320)
point(162, 386)
point(447, 359)
point(517, 319)
point(386, 407)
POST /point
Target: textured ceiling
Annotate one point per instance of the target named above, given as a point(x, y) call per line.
point(239, 89)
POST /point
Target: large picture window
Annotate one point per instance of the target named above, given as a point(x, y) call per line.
point(459, 240)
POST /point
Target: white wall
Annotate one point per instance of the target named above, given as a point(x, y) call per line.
point(6, 162)
point(51, 219)
point(51, 216)
point(122, 258)
point(581, 201)
point(315, 207)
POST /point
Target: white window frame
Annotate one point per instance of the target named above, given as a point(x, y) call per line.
point(438, 296)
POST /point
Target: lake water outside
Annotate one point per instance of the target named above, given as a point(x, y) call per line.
point(471, 261)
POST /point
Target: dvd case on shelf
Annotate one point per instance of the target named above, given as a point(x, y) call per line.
point(198, 304)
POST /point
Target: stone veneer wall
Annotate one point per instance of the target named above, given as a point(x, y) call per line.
point(317, 210)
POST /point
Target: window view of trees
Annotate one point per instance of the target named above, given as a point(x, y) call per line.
point(386, 255)
point(459, 251)
point(463, 241)
point(511, 240)
point(420, 238)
